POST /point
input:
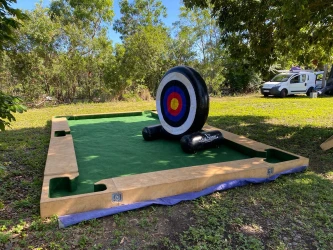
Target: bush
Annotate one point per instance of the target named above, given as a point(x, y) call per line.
point(240, 77)
point(8, 105)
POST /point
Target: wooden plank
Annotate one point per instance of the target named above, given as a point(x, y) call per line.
point(326, 145)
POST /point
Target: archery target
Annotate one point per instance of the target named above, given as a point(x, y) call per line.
point(177, 99)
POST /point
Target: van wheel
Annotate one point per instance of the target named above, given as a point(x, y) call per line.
point(309, 91)
point(283, 93)
point(265, 95)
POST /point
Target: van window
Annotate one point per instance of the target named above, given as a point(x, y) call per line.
point(281, 78)
point(295, 79)
point(303, 78)
point(319, 77)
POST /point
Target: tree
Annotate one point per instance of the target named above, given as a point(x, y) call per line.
point(146, 56)
point(199, 37)
point(262, 31)
point(9, 21)
point(141, 61)
point(9, 105)
point(61, 51)
point(137, 14)
point(32, 57)
point(138, 64)
point(182, 50)
point(116, 73)
point(81, 45)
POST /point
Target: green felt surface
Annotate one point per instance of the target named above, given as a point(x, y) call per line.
point(112, 147)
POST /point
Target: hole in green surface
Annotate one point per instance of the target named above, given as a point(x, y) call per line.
point(275, 156)
point(62, 185)
point(98, 116)
point(270, 155)
point(64, 116)
point(61, 133)
point(99, 187)
point(245, 150)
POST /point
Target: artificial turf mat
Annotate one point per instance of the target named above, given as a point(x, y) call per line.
point(113, 147)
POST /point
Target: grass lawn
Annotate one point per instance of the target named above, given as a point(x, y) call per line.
point(293, 212)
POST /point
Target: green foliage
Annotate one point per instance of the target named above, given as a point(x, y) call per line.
point(262, 31)
point(182, 50)
point(9, 105)
point(4, 237)
point(3, 173)
point(199, 45)
point(64, 51)
point(83, 10)
point(138, 14)
point(146, 56)
point(61, 52)
point(136, 66)
point(115, 72)
point(10, 19)
point(241, 77)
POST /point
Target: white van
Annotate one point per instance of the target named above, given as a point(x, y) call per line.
point(292, 82)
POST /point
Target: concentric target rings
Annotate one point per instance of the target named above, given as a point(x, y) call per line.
point(182, 101)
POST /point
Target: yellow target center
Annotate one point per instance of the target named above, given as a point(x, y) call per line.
point(174, 103)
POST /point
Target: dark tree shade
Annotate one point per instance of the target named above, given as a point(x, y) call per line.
point(262, 30)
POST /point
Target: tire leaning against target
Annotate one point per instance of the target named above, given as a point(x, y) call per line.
point(182, 101)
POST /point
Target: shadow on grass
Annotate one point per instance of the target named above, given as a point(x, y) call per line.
point(269, 209)
point(304, 141)
point(24, 151)
point(22, 157)
point(26, 147)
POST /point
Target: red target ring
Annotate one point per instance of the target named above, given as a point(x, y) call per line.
point(174, 103)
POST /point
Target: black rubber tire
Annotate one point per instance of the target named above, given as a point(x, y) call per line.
point(283, 93)
point(265, 95)
point(309, 91)
point(199, 89)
